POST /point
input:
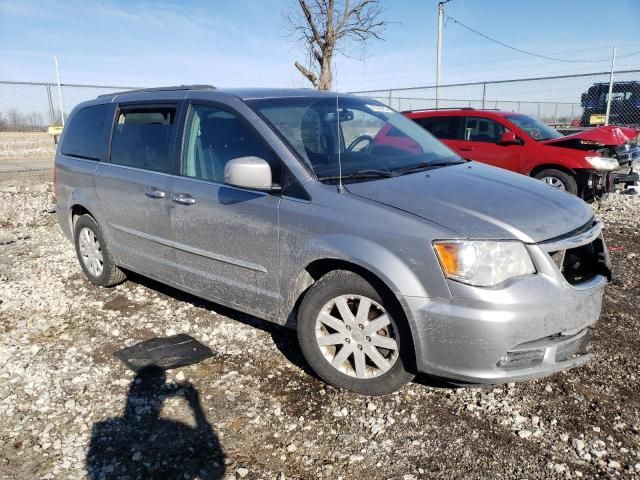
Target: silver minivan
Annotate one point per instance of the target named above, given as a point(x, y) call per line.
point(339, 217)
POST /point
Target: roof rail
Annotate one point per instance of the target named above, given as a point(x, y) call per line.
point(447, 108)
point(161, 89)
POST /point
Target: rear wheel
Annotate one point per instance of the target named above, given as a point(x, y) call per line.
point(352, 337)
point(558, 179)
point(93, 255)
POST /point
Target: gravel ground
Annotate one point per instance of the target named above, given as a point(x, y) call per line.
point(70, 409)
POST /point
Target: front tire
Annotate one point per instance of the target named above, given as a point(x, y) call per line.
point(93, 254)
point(558, 179)
point(352, 337)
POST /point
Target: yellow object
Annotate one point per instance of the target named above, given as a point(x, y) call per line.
point(597, 119)
point(54, 129)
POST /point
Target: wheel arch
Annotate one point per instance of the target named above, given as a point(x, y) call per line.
point(320, 267)
point(555, 166)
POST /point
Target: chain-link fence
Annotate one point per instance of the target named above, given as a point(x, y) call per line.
point(568, 100)
point(31, 106)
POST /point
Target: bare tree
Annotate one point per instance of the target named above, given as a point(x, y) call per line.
point(325, 27)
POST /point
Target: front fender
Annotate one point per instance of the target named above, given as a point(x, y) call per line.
point(555, 156)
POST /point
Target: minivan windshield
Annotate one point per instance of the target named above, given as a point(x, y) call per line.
point(367, 138)
point(534, 127)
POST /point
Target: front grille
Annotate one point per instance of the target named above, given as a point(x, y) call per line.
point(581, 264)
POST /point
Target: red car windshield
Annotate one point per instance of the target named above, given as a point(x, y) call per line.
point(534, 127)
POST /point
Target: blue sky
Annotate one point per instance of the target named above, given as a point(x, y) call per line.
point(244, 42)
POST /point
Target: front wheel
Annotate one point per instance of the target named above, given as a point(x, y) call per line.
point(352, 337)
point(558, 179)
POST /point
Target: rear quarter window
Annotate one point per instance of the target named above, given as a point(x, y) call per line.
point(447, 128)
point(86, 135)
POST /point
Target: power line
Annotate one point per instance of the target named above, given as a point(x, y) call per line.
point(531, 53)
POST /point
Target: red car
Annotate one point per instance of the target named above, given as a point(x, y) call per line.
point(585, 164)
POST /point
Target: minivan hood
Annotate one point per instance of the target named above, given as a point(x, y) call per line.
point(599, 137)
point(479, 201)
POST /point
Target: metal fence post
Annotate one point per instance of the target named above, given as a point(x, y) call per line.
point(484, 93)
point(52, 115)
point(613, 62)
point(555, 114)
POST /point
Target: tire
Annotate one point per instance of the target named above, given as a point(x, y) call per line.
point(93, 254)
point(359, 368)
point(565, 181)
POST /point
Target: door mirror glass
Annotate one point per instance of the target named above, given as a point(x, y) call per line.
point(508, 138)
point(248, 172)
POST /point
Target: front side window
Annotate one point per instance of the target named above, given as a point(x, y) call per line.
point(212, 138)
point(363, 136)
point(534, 127)
point(480, 129)
point(446, 128)
point(142, 138)
point(87, 134)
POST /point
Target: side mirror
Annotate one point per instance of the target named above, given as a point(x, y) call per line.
point(248, 172)
point(508, 138)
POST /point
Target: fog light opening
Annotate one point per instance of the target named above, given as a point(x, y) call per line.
point(521, 359)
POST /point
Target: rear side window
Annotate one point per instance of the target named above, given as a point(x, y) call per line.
point(142, 138)
point(87, 134)
point(449, 128)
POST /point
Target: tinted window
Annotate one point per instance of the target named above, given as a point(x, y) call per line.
point(481, 129)
point(449, 128)
point(213, 137)
point(87, 134)
point(142, 138)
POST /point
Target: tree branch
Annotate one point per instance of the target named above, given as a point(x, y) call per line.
point(312, 77)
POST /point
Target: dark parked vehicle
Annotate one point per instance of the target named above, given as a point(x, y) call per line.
point(625, 104)
point(388, 259)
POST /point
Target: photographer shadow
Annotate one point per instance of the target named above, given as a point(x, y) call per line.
point(142, 445)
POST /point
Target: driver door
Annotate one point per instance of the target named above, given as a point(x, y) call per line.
point(481, 142)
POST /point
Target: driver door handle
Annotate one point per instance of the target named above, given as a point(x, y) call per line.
point(183, 198)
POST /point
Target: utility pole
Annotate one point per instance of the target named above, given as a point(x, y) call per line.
point(59, 90)
point(613, 63)
point(439, 50)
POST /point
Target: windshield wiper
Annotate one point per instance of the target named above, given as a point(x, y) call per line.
point(368, 173)
point(423, 166)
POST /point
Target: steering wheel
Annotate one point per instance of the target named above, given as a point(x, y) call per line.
point(361, 139)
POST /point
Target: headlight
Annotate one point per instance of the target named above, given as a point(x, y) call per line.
point(483, 263)
point(603, 163)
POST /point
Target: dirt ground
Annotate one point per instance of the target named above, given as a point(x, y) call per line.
point(70, 409)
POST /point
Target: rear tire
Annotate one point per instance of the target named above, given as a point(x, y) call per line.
point(352, 337)
point(558, 179)
point(93, 254)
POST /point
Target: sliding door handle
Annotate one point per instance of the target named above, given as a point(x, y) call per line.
point(183, 198)
point(153, 192)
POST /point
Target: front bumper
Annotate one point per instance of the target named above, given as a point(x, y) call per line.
point(530, 327)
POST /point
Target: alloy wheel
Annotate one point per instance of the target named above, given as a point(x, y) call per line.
point(91, 252)
point(554, 182)
point(356, 336)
